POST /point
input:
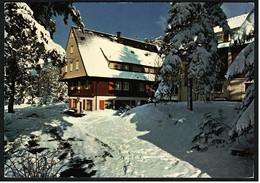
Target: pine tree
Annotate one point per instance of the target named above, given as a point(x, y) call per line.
point(25, 42)
point(190, 49)
point(44, 11)
point(244, 63)
point(28, 41)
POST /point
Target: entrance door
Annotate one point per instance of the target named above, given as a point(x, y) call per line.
point(102, 104)
point(89, 105)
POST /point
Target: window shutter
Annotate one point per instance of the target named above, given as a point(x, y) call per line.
point(111, 85)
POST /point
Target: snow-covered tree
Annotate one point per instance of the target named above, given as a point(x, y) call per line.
point(46, 87)
point(190, 48)
point(26, 44)
point(244, 63)
point(44, 11)
point(156, 41)
point(26, 41)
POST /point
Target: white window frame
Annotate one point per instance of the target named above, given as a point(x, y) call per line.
point(146, 70)
point(87, 85)
point(71, 66)
point(119, 66)
point(72, 86)
point(141, 87)
point(126, 86)
point(66, 68)
point(77, 65)
point(126, 67)
point(79, 84)
point(118, 85)
point(220, 37)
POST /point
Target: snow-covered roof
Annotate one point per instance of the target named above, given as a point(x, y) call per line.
point(97, 49)
point(233, 22)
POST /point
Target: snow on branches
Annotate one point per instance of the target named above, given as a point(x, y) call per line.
point(244, 63)
point(190, 46)
point(245, 118)
point(22, 32)
point(28, 47)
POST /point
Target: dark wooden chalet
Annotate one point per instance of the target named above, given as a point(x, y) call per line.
point(106, 71)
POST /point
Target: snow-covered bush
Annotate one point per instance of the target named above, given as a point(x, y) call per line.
point(25, 158)
point(27, 164)
point(211, 131)
point(245, 118)
point(29, 160)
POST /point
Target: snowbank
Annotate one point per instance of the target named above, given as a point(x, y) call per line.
point(145, 142)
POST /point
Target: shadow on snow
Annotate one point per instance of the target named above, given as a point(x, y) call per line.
point(173, 133)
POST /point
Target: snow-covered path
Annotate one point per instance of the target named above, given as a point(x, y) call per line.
point(147, 141)
point(132, 157)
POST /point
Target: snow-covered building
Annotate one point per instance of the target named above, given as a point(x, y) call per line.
point(234, 89)
point(107, 71)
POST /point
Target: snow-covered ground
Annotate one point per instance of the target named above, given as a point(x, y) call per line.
point(146, 141)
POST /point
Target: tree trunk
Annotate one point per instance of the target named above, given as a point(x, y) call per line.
point(11, 97)
point(189, 94)
point(11, 104)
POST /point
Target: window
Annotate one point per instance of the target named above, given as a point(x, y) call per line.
point(141, 86)
point(136, 68)
point(118, 85)
point(77, 65)
point(217, 88)
point(119, 66)
point(66, 68)
point(175, 90)
point(71, 49)
point(126, 67)
point(89, 104)
point(226, 37)
point(75, 103)
point(146, 69)
point(71, 66)
point(79, 83)
point(151, 70)
point(87, 85)
point(220, 37)
point(71, 86)
point(125, 86)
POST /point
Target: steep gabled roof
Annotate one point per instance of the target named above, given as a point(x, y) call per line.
point(97, 49)
point(233, 22)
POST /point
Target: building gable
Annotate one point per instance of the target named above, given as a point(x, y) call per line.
point(74, 66)
point(98, 51)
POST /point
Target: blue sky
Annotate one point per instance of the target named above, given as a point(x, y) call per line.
point(133, 20)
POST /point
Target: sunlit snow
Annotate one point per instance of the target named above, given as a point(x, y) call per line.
point(146, 141)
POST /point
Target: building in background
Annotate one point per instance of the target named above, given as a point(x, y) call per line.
point(233, 90)
point(105, 71)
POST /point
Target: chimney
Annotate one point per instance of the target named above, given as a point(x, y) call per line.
point(118, 37)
